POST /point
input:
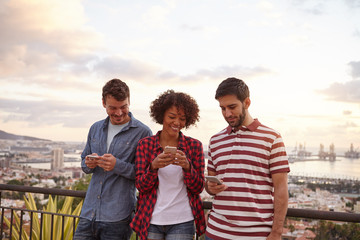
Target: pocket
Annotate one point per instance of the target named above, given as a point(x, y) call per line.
point(95, 145)
point(122, 147)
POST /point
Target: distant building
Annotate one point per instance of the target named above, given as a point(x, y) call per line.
point(357, 207)
point(20, 149)
point(58, 159)
point(4, 162)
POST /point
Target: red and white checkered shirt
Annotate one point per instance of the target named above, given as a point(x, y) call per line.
point(147, 181)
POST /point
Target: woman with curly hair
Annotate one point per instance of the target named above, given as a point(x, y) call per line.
point(170, 184)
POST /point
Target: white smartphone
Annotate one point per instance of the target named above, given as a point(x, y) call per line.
point(169, 149)
point(213, 179)
point(92, 157)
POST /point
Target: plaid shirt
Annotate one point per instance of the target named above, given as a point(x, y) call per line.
point(147, 181)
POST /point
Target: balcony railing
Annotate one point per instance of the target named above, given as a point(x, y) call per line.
point(16, 219)
point(292, 212)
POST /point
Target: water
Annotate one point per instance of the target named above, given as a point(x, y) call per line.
point(341, 168)
point(48, 165)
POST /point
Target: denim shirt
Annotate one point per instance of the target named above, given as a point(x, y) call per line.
point(111, 194)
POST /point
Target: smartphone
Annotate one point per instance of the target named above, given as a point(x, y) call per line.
point(169, 149)
point(92, 157)
point(213, 179)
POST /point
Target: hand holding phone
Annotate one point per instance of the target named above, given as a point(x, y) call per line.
point(91, 161)
point(169, 149)
point(213, 179)
point(93, 157)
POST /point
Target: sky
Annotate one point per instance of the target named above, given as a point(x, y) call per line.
point(300, 59)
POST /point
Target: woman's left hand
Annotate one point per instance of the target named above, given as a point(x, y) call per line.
point(181, 160)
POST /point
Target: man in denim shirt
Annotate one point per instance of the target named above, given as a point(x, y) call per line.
point(110, 198)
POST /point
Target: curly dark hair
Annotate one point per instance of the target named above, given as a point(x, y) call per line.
point(116, 88)
point(180, 100)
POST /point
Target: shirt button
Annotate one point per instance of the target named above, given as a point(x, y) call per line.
point(100, 182)
point(98, 196)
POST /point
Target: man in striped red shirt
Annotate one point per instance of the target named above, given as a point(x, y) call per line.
point(250, 160)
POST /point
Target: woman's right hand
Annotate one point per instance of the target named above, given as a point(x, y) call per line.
point(162, 160)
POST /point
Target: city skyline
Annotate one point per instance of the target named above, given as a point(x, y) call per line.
point(299, 58)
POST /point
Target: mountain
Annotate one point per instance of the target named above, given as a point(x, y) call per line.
point(9, 136)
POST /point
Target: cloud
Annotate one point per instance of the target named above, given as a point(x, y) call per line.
point(47, 113)
point(188, 27)
point(125, 68)
point(310, 7)
point(355, 69)
point(348, 91)
point(316, 10)
point(144, 72)
point(47, 45)
point(343, 92)
point(236, 71)
point(42, 39)
point(353, 3)
point(220, 72)
point(357, 33)
point(156, 16)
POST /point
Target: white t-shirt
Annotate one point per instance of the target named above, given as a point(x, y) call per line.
point(112, 131)
point(172, 204)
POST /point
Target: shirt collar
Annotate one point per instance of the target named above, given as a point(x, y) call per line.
point(132, 122)
point(181, 145)
point(251, 127)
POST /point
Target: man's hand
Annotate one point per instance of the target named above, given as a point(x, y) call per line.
point(214, 188)
point(91, 162)
point(107, 162)
point(274, 236)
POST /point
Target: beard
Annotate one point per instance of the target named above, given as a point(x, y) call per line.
point(240, 120)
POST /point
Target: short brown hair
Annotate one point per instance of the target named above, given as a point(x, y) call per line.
point(116, 88)
point(233, 86)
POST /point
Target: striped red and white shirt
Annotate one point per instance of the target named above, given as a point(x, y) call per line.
point(245, 161)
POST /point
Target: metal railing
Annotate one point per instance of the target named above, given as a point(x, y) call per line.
point(292, 212)
point(16, 228)
point(32, 214)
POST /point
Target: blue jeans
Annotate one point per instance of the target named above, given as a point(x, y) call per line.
point(180, 231)
point(207, 238)
point(93, 230)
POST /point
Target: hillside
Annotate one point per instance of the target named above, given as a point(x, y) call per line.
point(9, 136)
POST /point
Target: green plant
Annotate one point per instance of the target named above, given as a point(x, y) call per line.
point(47, 219)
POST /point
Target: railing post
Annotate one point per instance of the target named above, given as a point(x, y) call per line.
point(52, 226)
point(41, 224)
point(21, 223)
point(11, 223)
point(31, 224)
point(62, 227)
point(74, 225)
point(2, 222)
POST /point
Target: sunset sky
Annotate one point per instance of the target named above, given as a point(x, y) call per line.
point(300, 58)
